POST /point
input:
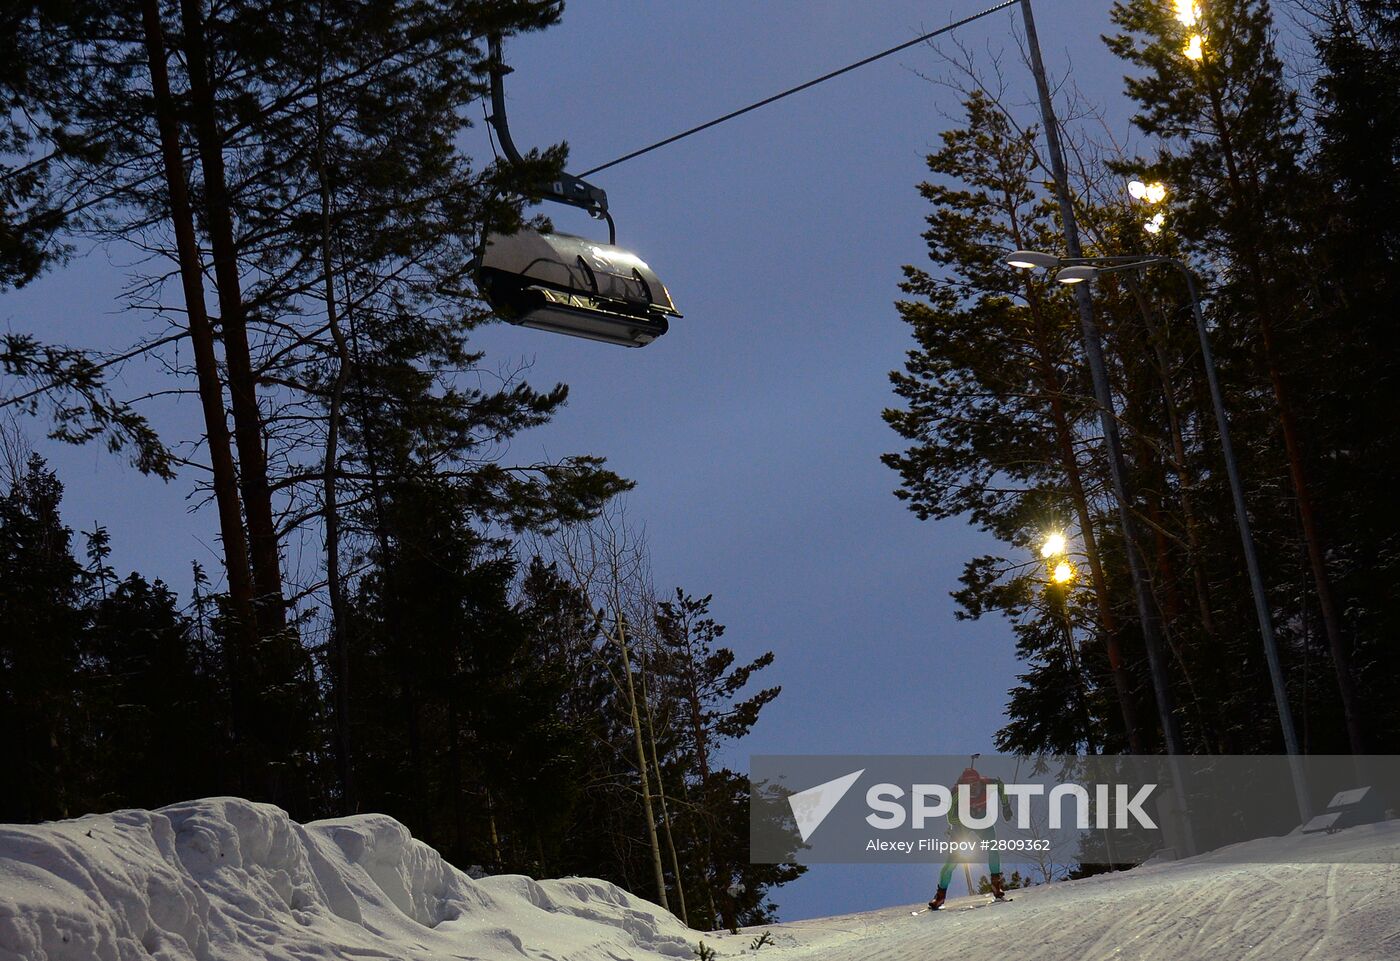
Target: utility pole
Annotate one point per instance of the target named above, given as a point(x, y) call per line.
point(1111, 265)
point(1093, 350)
point(1251, 557)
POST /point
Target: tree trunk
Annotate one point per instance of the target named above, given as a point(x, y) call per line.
point(242, 633)
point(247, 419)
point(631, 691)
point(661, 796)
point(702, 765)
point(1076, 666)
point(1172, 599)
point(340, 659)
point(496, 834)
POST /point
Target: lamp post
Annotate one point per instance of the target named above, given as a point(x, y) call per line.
point(1113, 449)
point(1075, 270)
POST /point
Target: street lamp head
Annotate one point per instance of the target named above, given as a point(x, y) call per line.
point(1054, 545)
point(1137, 189)
point(1063, 572)
point(1077, 274)
point(1031, 259)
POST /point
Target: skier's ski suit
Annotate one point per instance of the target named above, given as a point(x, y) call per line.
point(958, 831)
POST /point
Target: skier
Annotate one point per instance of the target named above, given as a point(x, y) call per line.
point(957, 831)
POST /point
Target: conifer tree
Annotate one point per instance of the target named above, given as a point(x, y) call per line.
point(1353, 219)
point(313, 151)
point(39, 42)
point(41, 594)
point(711, 706)
point(1212, 89)
point(154, 709)
point(995, 389)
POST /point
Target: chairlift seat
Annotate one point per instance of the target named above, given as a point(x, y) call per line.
point(573, 285)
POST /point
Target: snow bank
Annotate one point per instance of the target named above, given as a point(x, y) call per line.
point(228, 880)
point(225, 879)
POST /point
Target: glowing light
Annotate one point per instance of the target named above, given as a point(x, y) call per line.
point(1054, 545)
point(1063, 572)
point(1193, 49)
point(1077, 274)
point(1153, 193)
point(1188, 12)
point(1154, 226)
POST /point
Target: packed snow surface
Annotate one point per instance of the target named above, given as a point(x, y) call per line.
point(229, 880)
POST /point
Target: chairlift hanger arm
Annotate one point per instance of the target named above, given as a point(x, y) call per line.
point(558, 282)
point(567, 189)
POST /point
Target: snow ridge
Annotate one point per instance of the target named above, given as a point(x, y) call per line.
point(225, 879)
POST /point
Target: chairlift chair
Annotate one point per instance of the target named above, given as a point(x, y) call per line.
point(572, 285)
point(562, 283)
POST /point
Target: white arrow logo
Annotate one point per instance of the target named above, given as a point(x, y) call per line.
point(810, 807)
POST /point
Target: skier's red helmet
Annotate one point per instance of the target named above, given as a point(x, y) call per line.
point(977, 793)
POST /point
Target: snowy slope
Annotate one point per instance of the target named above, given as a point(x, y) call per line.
point(228, 880)
point(1202, 909)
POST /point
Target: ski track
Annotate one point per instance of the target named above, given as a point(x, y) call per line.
point(229, 880)
point(1197, 909)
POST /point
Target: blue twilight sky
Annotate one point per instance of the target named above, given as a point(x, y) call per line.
point(753, 429)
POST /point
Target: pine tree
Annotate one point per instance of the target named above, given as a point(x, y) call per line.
point(995, 390)
point(39, 43)
point(462, 726)
point(155, 717)
point(707, 687)
point(313, 151)
point(1212, 88)
point(1354, 228)
point(41, 608)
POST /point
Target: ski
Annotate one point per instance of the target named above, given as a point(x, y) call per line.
point(966, 907)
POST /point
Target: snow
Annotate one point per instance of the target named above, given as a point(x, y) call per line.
point(225, 879)
point(1209, 908)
